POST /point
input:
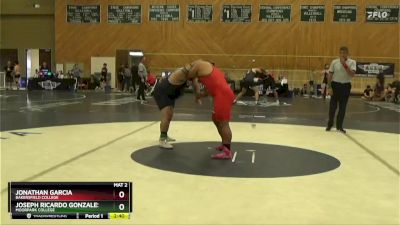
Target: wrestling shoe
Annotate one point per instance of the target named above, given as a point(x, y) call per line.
point(163, 143)
point(225, 154)
point(341, 130)
point(220, 148)
point(170, 139)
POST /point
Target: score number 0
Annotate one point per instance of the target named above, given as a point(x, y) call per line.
point(121, 194)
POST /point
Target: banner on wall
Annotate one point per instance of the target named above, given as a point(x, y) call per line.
point(125, 14)
point(371, 69)
point(382, 13)
point(200, 13)
point(344, 13)
point(236, 13)
point(164, 12)
point(275, 13)
point(83, 13)
point(312, 13)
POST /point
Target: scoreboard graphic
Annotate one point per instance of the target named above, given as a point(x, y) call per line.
point(70, 200)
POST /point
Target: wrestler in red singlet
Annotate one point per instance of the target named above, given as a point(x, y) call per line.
point(222, 93)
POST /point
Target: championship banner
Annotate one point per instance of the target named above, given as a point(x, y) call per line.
point(382, 13)
point(164, 13)
point(368, 69)
point(124, 14)
point(80, 14)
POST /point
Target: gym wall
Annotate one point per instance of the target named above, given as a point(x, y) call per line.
point(296, 47)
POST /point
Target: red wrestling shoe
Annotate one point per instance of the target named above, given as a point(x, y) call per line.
point(225, 154)
point(220, 148)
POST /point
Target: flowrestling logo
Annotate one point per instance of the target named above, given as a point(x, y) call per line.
point(382, 13)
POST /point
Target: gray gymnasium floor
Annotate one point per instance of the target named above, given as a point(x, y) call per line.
point(287, 169)
point(21, 110)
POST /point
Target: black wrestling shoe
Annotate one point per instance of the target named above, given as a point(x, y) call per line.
point(328, 128)
point(341, 130)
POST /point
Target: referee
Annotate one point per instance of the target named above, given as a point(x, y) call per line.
point(341, 71)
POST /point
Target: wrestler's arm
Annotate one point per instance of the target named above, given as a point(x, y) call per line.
point(191, 75)
point(196, 87)
point(197, 92)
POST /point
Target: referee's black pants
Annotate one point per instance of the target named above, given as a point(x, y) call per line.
point(141, 94)
point(341, 93)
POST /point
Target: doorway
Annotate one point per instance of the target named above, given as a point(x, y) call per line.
point(35, 58)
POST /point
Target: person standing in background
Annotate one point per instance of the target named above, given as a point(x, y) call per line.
point(104, 72)
point(121, 78)
point(142, 71)
point(341, 71)
point(311, 84)
point(17, 73)
point(127, 77)
point(9, 75)
point(324, 85)
point(135, 77)
point(76, 73)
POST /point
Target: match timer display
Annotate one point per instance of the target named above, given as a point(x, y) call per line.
point(70, 200)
